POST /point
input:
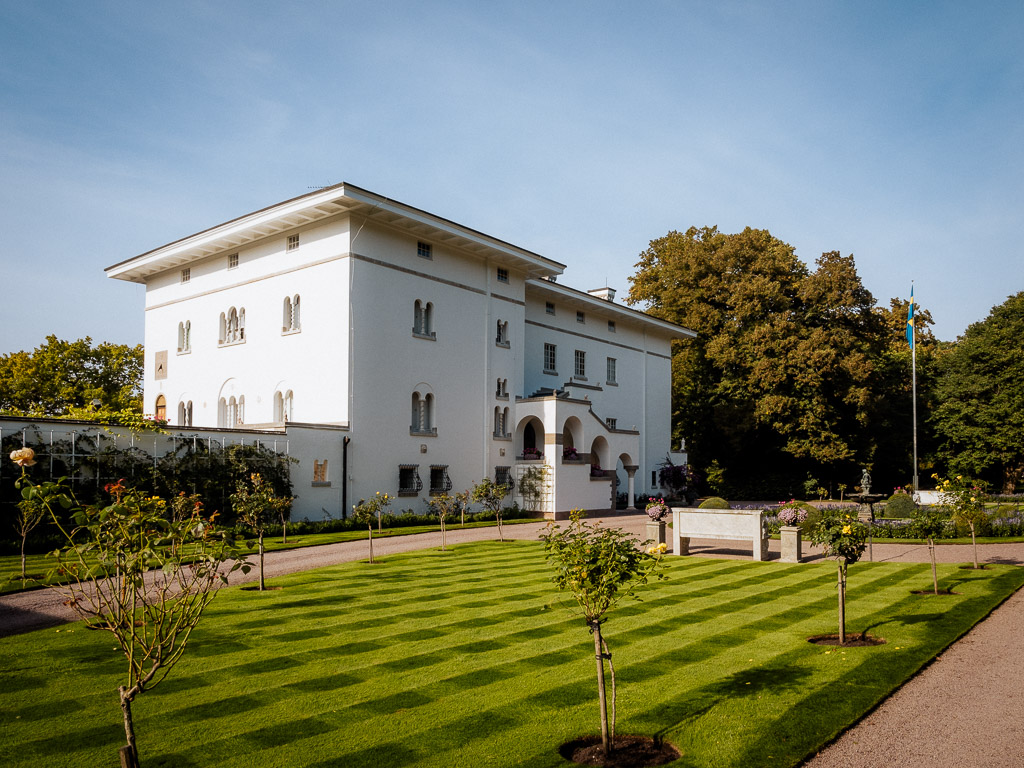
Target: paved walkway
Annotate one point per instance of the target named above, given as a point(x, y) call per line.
point(964, 710)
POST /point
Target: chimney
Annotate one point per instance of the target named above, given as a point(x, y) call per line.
point(606, 293)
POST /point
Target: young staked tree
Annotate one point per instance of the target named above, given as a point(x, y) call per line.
point(844, 538)
point(964, 497)
point(491, 495)
point(256, 507)
point(366, 512)
point(445, 505)
point(599, 566)
point(928, 524)
point(134, 573)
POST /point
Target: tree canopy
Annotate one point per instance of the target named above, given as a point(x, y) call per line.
point(60, 377)
point(979, 417)
point(782, 373)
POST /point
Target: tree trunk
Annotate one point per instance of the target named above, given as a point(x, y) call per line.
point(497, 517)
point(129, 730)
point(605, 741)
point(935, 577)
point(284, 532)
point(379, 516)
point(369, 529)
point(262, 584)
point(443, 536)
point(974, 542)
point(611, 671)
point(23, 562)
point(842, 604)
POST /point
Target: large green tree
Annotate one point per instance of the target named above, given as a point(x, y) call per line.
point(61, 377)
point(980, 414)
point(779, 378)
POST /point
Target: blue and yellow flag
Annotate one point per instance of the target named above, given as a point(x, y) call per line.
point(910, 320)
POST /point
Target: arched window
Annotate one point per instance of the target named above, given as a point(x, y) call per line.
point(497, 422)
point(232, 326)
point(160, 413)
point(428, 319)
point(290, 314)
point(502, 337)
point(185, 336)
point(240, 415)
point(232, 412)
point(417, 317)
point(283, 406)
point(288, 405)
point(423, 318)
point(422, 414)
point(222, 335)
point(222, 413)
point(504, 423)
point(185, 414)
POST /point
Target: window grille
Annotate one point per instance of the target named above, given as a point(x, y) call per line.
point(611, 326)
point(610, 377)
point(581, 317)
point(549, 358)
point(503, 476)
point(293, 242)
point(409, 483)
point(424, 250)
point(233, 261)
point(581, 364)
point(439, 480)
point(549, 307)
point(502, 275)
point(186, 274)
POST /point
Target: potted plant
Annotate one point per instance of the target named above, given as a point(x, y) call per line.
point(570, 454)
point(791, 514)
point(657, 510)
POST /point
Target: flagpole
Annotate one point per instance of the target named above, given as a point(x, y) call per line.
point(913, 375)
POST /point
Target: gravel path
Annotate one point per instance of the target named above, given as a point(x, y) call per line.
point(919, 726)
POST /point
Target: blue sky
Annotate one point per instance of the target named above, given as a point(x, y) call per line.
point(580, 130)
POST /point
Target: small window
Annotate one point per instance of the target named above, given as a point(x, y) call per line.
point(502, 390)
point(549, 359)
point(502, 275)
point(422, 415)
point(612, 423)
point(423, 320)
point(184, 337)
point(611, 326)
point(424, 250)
point(293, 242)
point(610, 374)
point(549, 307)
point(503, 476)
point(161, 408)
point(186, 274)
point(290, 322)
point(233, 261)
point(581, 364)
point(502, 338)
point(185, 414)
point(320, 477)
point(581, 317)
point(409, 483)
point(439, 480)
point(654, 478)
point(232, 326)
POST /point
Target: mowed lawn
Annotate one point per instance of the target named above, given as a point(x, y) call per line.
point(472, 658)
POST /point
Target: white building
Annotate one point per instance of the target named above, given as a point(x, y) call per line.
point(437, 353)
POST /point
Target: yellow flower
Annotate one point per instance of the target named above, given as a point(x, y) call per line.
point(24, 457)
point(846, 529)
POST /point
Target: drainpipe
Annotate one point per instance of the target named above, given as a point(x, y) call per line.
point(344, 477)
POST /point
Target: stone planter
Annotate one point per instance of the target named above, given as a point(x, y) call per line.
point(656, 531)
point(791, 543)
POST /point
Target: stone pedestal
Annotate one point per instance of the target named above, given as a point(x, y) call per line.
point(656, 532)
point(791, 543)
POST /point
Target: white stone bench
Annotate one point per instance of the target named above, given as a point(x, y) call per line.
point(730, 524)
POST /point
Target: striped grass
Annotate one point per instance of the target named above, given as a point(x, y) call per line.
point(471, 658)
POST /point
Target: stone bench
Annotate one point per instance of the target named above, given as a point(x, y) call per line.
point(729, 524)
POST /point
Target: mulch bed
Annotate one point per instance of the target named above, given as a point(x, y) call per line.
point(628, 752)
point(852, 640)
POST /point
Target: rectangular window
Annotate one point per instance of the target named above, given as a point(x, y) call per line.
point(503, 476)
point(320, 473)
point(439, 482)
point(549, 359)
point(502, 275)
point(424, 250)
point(581, 317)
point(610, 377)
point(581, 364)
point(233, 261)
point(409, 483)
point(549, 307)
point(611, 326)
point(612, 423)
point(186, 274)
point(293, 242)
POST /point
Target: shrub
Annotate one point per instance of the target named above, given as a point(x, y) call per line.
point(900, 505)
point(714, 502)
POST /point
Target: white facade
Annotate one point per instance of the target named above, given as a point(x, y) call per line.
point(420, 340)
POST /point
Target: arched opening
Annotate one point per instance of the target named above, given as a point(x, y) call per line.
point(160, 411)
point(599, 457)
point(530, 438)
point(572, 439)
